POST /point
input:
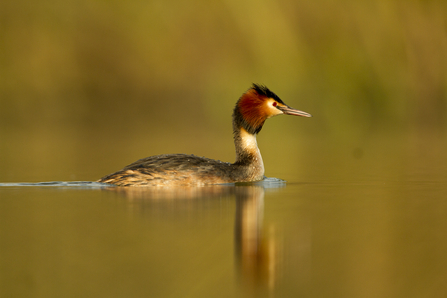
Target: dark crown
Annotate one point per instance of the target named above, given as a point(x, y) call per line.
point(264, 91)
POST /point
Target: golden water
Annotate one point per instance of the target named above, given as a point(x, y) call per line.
point(353, 220)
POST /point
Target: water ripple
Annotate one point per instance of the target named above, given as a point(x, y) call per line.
point(77, 184)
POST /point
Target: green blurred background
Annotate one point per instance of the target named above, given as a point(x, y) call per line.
point(89, 86)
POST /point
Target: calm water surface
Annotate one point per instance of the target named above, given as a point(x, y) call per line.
point(350, 222)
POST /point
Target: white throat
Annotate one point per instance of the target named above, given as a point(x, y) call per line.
point(248, 142)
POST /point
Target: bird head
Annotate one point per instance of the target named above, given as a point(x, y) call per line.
point(258, 104)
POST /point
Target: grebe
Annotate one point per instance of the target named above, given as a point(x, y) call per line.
point(251, 110)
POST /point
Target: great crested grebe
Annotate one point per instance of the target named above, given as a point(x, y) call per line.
point(251, 110)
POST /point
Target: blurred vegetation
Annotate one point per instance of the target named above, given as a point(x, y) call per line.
point(110, 73)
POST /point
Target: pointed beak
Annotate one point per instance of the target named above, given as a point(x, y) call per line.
point(291, 111)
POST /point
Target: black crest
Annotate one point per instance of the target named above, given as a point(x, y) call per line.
point(264, 91)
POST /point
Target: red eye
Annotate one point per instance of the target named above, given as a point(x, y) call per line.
point(275, 104)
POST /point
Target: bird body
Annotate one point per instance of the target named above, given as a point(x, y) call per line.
point(251, 110)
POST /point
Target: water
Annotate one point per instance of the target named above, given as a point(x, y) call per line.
point(59, 184)
point(351, 221)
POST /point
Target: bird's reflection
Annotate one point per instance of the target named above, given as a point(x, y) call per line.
point(175, 193)
point(256, 252)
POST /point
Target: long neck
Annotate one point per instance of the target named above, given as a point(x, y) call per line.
point(248, 157)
